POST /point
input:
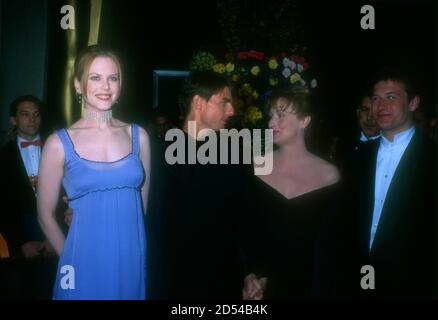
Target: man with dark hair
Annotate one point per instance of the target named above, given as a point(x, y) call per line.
point(369, 130)
point(14, 107)
point(20, 159)
point(159, 124)
point(397, 191)
point(20, 162)
point(196, 216)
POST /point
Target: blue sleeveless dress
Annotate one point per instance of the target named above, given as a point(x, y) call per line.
point(104, 255)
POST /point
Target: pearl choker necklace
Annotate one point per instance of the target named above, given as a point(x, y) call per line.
point(100, 117)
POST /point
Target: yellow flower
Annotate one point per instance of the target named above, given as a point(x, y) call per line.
point(219, 68)
point(273, 64)
point(246, 89)
point(229, 67)
point(255, 95)
point(294, 78)
point(234, 77)
point(273, 81)
point(253, 114)
point(255, 70)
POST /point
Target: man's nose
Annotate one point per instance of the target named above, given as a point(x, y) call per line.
point(369, 114)
point(376, 106)
point(230, 110)
point(381, 104)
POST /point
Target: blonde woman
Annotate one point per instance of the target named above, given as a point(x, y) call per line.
point(103, 164)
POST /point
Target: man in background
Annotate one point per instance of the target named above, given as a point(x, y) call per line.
point(19, 163)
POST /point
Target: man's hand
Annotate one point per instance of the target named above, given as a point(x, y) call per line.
point(68, 214)
point(254, 287)
point(31, 249)
point(47, 249)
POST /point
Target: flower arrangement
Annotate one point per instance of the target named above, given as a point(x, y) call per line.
point(255, 75)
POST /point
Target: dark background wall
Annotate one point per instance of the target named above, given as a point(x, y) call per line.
point(23, 52)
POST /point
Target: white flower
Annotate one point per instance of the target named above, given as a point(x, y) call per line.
point(313, 83)
point(289, 63)
point(303, 82)
point(286, 72)
point(300, 67)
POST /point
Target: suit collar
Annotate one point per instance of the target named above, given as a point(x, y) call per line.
point(400, 138)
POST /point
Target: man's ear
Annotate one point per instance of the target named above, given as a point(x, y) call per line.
point(197, 102)
point(13, 121)
point(305, 122)
point(414, 103)
point(77, 86)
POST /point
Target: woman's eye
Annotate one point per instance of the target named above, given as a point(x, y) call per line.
point(95, 78)
point(114, 78)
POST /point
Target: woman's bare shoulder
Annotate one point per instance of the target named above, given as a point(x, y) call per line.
point(120, 124)
point(53, 146)
point(328, 172)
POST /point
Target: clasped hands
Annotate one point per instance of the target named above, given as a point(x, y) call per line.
point(254, 287)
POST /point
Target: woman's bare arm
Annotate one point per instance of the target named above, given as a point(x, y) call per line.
point(49, 182)
point(145, 156)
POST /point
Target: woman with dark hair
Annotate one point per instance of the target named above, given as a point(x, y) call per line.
point(103, 164)
point(297, 203)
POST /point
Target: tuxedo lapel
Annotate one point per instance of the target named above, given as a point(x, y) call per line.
point(20, 167)
point(367, 186)
point(398, 194)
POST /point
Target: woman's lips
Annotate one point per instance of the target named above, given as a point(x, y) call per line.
point(103, 97)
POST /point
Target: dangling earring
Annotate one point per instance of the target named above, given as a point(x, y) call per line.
point(79, 98)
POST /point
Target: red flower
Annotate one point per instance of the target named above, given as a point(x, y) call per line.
point(305, 66)
point(242, 55)
point(283, 54)
point(298, 59)
point(256, 55)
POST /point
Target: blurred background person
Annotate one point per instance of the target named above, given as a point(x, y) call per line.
point(20, 159)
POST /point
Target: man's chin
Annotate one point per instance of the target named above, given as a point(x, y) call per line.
point(371, 133)
point(29, 133)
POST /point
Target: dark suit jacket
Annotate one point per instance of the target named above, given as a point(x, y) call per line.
point(194, 220)
point(404, 248)
point(18, 216)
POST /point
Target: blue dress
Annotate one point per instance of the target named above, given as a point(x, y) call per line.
point(104, 255)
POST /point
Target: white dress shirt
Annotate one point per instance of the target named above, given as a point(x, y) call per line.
point(31, 156)
point(388, 158)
